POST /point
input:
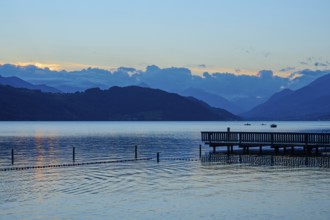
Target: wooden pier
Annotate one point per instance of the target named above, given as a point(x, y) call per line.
point(276, 143)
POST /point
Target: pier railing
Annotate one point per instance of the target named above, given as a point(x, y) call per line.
point(270, 138)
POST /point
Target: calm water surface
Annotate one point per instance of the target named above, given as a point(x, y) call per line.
point(171, 189)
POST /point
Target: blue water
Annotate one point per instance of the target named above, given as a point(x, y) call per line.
point(171, 189)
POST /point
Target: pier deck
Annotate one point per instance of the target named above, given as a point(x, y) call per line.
point(275, 140)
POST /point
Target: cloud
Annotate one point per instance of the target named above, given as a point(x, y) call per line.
point(265, 74)
point(173, 79)
point(127, 69)
point(304, 77)
point(319, 64)
point(287, 69)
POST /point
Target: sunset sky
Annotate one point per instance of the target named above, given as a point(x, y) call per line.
point(237, 36)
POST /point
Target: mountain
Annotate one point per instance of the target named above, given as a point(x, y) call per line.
point(117, 103)
point(19, 83)
point(248, 102)
point(212, 100)
point(311, 102)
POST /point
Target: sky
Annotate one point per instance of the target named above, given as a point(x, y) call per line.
point(236, 36)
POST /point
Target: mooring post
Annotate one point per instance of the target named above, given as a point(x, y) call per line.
point(240, 159)
point(135, 152)
point(157, 157)
point(12, 156)
point(272, 161)
point(73, 154)
point(200, 151)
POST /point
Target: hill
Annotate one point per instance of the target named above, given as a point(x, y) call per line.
point(19, 83)
point(117, 103)
point(311, 102)
point(212, 100)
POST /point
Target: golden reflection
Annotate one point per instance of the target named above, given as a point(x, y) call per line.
point(45, 146)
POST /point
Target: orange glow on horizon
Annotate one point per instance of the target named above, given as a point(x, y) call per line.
point(198, 71)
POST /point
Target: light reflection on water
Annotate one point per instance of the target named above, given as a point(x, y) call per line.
point(146, 189)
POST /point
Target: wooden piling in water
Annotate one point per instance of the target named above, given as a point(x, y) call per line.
point(157, 157)
point(12, 156)
point(135, 152)
point(73, 154)
point(200, 151)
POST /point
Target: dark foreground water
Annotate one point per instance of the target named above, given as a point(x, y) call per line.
point(171, 189)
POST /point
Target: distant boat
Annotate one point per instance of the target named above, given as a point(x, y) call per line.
point(273, 125)
point(247, 124)
point(263, 124)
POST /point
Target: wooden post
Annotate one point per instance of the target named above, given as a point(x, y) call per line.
point(240, 159)
point(200, 151)
point(135, 152)
point(272, 161)
point(12, 156)
point(73, 154)
point(157, 157)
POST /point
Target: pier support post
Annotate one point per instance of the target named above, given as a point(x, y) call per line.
point(272, 161)
point(284, 150)
point(317, 151)
point(157, 157)
point(240, 159)
point(12, 156)
point(73, 154)
point(135, 152)
point(292, 150)
point(200, 151)
point(213, 149)
point(260, 149)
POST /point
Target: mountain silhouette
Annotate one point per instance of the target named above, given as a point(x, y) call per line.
point(212, 100)
point(19, 83)
point(117, 103)
point(311, 102)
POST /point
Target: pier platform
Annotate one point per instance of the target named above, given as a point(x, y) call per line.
point(285, 143)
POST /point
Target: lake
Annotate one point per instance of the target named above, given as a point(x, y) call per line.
point(178, 187)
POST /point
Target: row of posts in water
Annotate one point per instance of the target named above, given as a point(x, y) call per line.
point(74, 155)
point(269, 160)
point(266, 160)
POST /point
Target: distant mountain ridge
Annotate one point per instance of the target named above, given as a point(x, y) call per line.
point(117, 103)
point(212, 99)
point(311, 102)
point(19, 83)
point(245, 91)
